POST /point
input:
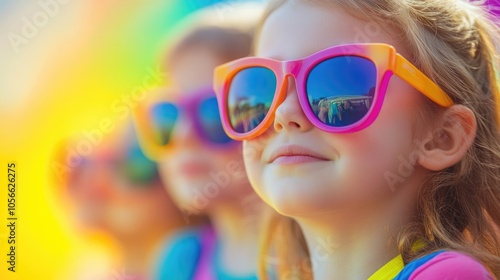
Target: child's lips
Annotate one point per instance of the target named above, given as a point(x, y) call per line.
point(193, 169)
point(295, 154)
point(296, 159)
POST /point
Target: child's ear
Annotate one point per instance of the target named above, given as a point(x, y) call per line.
point(450, 139)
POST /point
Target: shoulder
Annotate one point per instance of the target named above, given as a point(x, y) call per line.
point(451, 265)
point(180, 254)
point(185, 244)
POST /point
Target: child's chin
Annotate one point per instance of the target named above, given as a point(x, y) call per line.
point(289, 200)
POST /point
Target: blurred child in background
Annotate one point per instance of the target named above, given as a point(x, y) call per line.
point(116, 191)
point(202, 167)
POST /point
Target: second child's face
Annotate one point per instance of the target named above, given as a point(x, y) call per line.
point(200, 177)
point(105, 198)
point(354, 170)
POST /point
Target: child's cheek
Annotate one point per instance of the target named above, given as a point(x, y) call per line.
point(252, 156)
point(252, 153)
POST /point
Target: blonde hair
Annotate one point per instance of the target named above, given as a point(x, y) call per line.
point(455, 43)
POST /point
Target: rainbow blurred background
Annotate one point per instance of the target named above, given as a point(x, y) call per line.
point(65, 67)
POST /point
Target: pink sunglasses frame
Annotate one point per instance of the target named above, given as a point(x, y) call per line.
point(186, 106)
point(385, 58)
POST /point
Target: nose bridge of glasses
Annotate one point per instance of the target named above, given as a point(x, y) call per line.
point(291, 70)
point(185, 124)
point(291, 67)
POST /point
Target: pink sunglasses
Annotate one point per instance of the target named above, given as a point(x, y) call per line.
point(156, 121)
point(340, 89)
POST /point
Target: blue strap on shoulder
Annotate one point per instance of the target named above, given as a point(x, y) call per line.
point(414, 265)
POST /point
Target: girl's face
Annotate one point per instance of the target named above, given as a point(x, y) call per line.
point(346, 171)
point(199, 176)
point(105, 194)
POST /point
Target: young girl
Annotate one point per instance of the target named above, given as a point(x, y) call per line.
point(204, 168)
point(407, 185)
point(116, 190)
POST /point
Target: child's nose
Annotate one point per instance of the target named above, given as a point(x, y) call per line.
point(96, 181)
point(185, 132)
point(289, 114)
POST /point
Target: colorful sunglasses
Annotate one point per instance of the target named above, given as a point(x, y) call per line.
point(156, 122)
point(134, 167)
point(340, 89)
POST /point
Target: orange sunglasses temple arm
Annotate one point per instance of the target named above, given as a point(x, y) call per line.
point(410, 74)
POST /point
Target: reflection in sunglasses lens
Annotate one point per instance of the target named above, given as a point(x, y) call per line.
point(164, 116)
point(211, 126)
point(250, 96)
point(138, 168)
point(340, 90)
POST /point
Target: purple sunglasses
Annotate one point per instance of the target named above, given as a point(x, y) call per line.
point(201, 108)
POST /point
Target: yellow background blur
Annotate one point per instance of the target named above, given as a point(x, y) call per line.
point(65, 67)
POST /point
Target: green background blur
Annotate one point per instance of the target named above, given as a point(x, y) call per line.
point(64, 67)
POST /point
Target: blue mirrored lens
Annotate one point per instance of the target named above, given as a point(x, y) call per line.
point(208, 115)
point(164, 116)
point(340, 90)
point(138, 168)
point(250, 96)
